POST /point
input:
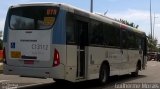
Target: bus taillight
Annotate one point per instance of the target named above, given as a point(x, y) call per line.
point(56, 60)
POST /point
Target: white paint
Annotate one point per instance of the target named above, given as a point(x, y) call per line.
point(4, 81)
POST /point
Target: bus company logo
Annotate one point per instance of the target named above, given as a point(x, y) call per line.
point(13, 45)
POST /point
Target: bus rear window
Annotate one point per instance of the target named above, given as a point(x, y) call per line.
point(33, 17)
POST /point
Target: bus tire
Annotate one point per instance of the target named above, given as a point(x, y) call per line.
point(104, 74)
point(135, 74)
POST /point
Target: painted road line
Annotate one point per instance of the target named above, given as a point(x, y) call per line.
point(153, 65)
point(4, 81)
point(31, 85)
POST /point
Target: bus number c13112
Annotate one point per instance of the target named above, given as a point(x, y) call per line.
point(39, 47)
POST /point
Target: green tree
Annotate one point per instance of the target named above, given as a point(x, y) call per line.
point(128, 23)
point(158, 46)
point(152, 44)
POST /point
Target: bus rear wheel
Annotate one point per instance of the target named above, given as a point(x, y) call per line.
point(104, 74)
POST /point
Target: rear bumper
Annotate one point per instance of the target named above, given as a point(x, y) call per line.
point(27, 71)
point(32, 72)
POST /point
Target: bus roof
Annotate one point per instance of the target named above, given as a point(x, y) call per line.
point(88, 14)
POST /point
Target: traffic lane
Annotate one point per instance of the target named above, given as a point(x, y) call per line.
point(19, 81)
point(150, 75)
point(93, 84)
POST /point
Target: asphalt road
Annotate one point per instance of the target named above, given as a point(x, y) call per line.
point(147, 79)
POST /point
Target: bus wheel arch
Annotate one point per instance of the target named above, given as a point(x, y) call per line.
point(138, 67)
point(104, 72)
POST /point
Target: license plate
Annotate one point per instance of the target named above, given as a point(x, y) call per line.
point(28, 61)
point(15, 54)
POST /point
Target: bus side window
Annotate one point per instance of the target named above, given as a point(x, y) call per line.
point(124, 41)
point(70, 33)
point(96, 33)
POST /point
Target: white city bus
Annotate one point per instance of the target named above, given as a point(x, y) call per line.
point(62, 42)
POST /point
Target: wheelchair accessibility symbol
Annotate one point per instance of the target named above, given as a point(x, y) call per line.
point(13, 45)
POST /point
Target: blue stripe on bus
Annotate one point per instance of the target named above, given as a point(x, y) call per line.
point(59, 33)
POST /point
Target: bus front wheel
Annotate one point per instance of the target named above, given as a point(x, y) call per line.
point(104, 74)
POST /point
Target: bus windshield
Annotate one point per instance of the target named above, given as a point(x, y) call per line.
point(33, 17)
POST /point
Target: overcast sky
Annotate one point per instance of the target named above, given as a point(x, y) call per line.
point(136, 11)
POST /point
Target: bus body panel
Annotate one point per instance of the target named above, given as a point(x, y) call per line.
point(134, 57)
point(124, 62)
point(99, 54)
point(23, 46)
point(57, 73)
point(71, 55)
point(26, 71)
point(39, 46)
point(70, 73)
point(120, 63)
point(71, 63)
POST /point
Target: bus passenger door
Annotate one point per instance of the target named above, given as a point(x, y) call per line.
point(82, 41)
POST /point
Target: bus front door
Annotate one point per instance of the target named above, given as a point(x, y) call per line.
point(82, 40)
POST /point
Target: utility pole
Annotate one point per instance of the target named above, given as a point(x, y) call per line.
point(154, 23)
point(91, 9)
point(151, 17)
